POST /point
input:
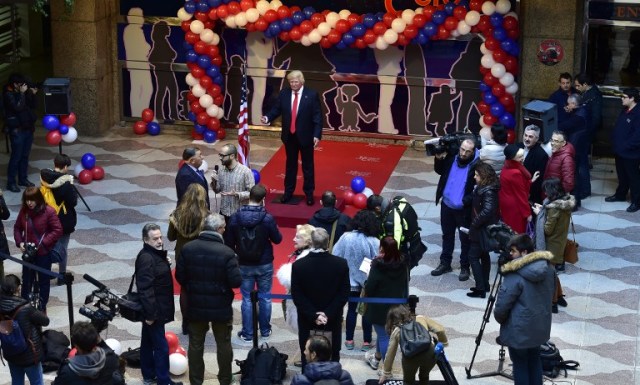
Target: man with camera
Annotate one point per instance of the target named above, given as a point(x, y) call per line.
point(155, 288)
point(454, 189)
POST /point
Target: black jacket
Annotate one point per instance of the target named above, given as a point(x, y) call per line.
point(386, 280)
point(61, 186)
point(31, 322)
point(208, 270)
point(326, 216)
point(486, 210)
point(100, 367)
point(443, 168)
point(18, 109)
point(536, 160)
point(155, 284)
point(4, 214)
point(250, 216)
point(185, 176)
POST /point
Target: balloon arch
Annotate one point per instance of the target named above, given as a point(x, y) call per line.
point(492, 19)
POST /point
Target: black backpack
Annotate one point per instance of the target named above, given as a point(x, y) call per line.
point(12, 339)
point(553, 363)
point(414, 338)
point(131, 357)
point(411, 245)
point(55, 347)
point(250, 242)
point(264, 366)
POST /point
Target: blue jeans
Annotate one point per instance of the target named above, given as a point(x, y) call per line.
point(352, 316)
point(21, 141)
point(261, 277)
point(382, 340)
point(33, 372)
point(154, 353)
point(44, 281)
point(64, 240)
point(527, 367)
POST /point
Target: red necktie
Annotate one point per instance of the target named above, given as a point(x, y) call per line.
point(294, 112)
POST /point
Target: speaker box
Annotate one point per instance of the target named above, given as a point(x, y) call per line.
point(57, 96)
point(542, 114)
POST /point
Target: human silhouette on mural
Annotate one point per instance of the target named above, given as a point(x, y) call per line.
point(259, 51)
point(441, 109)
point(350, 110)
point(465, 72)
point(161, 58)
point(317, 68)
point(233, 88)
point(388, 69)
point(136, 51)
point(415, 71)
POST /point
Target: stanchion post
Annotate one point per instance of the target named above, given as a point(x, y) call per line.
point(413, 302)
point(68, 281)
point(254, 316)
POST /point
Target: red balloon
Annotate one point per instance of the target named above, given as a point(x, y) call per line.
point(191, 37)
point(511, 64)
point(223, 11)
point(509, 104)
point(489, 120)
point(213, 124)
point(451, 23)
point(217, 60)
point(388, 18)
point(200, 47)
point(306, 26)
point(379, 28)
point(215, 90)
point(172, 340)
point(284, 12)
point(492, 43)
point(498, 90)
point(213, 14)
point(191, 97)
point(511, 136)
point(262, 25)
point(419, 20)
point(476, 5)
point(484, 71)
point(499, 56)
point(180, 350)
point(513, 33)
point(334, 36)
point(402, 40)
point(411, 31)
point(195, 107)
point(234, 7)
point(484, 108)
point(72, 353)
point(325, 43)
point(250, 27)
point(295, 34)
point(140, 127)
point(460, 12)
point(360, 43)
point(218, 100)
point(206, 82)
point(186, 25)
point(196, 136)
point(222, 133)
point(484, 23)
point(428, 11)
point(360, 201)
point(342, 26)
point(316, 19)
point(202, 16)
point(348, 197)
point(284, 36)
point(369, 37)
point(209, 24)
point(197, 72)
point(354, 19)
point(147, 115)
point(202, 118)
point(489, 79)
point(68, 120)
point(443, 32)
point(509, 23)
point(246, 4)
point(271, 16)
point(85, 177)
point(54, 138)
point(97, 173)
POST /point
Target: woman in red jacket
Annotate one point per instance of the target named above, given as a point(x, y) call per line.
point(515, 183)
point(37, 224)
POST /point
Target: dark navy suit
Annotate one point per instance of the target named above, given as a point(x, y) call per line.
point(308, 126)
point(186, 175)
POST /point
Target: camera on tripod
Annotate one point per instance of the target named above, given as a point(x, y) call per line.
point(449, 143)
point(30, 252)
point(104, 305)
point(500, 234)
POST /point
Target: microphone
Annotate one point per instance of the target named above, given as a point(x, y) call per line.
point(94, 282)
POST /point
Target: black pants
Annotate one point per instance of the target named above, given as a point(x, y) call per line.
point(628, 171)
point(450, 220)
point(480, 266)
point(292, 148)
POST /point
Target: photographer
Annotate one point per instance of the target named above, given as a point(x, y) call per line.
point(36, 231)
point(523, 307)
point(454, 188)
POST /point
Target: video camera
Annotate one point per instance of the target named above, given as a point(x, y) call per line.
point(105, 306)
point(449, 143)
point(501, 233)
point(30, 252)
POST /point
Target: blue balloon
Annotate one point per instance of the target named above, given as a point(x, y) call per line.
point(497, 109)
point(508, 120)
point(369, 20)
point(204, 62)
point(358, 30)
point(380, 16)
point(50, 122)
point(256, 175)
point(500, 34)
point(430, 29)
point(191, 116)
point(515, 49)
point(153, 128)
point(191, 56)
point(463, 3)
point(357, 184)
point(186, 46)
point(341, 45)
point(274, 28)
point(496, 19)
point(348, 38)
point(489, 98)
point(213, 71)
point(449, 7)
point(214, 3)
point(298, 17)
point(484, 87)
point(199, 128)
point(64, 129)
point(286, 24)
point(202, 6)
point(190, 7)
point(88, 161)
point(218, 80)
point(422, 38)
point(210, 136)
point(268, 34)
point(439, 17)
point(308, 12)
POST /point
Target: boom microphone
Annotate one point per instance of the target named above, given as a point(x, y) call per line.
point(431, 141)
point(94, 282)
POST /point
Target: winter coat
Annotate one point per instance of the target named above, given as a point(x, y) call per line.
point(562, 165)
point(180, 237)
point(208, 271)
point(18, 109)
point(61, 186)
point(492, 154)
point(155, 284)
point(100, 367)
point(485, 211)
point(284, 277)
point(515, 184)
point(556, 225)
point(31, 322)
point(325, 218)
point(44, 222)
point(4, 215)
point(523, 306)
point(443, 168)
point(386, 280)
point(354, 247)
point(625, 136)
point(325, 370)
point(250, 215)
point(535, 160)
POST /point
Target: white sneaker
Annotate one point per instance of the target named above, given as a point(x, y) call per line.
point(370, 357)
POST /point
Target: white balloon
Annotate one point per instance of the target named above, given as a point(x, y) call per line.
point(324, 28)
point(212, 110)
point(344, 14)
point(70, 136)
point(78, 169)
point(305, 41)
point(507, 79)
point(407, 15)
point(206, 100)
point(252, 15)
point(196, 26)
point(241, 19)
point(190, 80)
point(503, 6)
point(367, 192)
point(482, 123)
point(463, 27)
point(487, 61)
point(263, 6)
point(512, 14)
point(220, 113)
point(419, 11)
point(390, 36)
point(484, 49)
point(398, 25)
point(198, 91)
point(275, 4)
point(472, 18)
point(485, 131)
point(216, 39)
point(183, 15)
point(315, 36)
point(455, 33)
point(498, 70)
point(177, 364)
point(230, 22)
point(204, 166)
point(332, 18)
point(512, 89)
point(381, 44)
point(207, 36)
point(114, 344)
point(488, 8)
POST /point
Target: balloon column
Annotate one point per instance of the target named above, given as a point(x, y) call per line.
point(177, 354)
point(87, 171)
point(344, 29)
point(358, 194)
point(146, 125)
point(60, 129)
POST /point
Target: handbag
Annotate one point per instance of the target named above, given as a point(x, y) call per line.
point(362, 306)
point(571, 247)
point(129, 304)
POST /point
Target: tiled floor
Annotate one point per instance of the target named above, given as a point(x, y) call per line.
point(599, 328)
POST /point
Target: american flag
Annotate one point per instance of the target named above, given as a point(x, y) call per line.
point(243, 120)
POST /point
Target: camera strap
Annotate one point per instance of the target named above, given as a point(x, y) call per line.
point(35, 232)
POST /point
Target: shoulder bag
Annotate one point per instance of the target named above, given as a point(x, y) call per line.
point(129, 304)
point(571, 247)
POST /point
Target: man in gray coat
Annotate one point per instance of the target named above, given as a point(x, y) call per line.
point(523, 307)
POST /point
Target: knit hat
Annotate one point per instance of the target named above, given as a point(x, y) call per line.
point(510, 151)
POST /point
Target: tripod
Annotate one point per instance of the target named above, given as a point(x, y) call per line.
point(497, 281)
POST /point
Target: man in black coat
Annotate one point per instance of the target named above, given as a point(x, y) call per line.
point(301, 132)
point(208, 270)
point(320, 300)
point(535, 159)
point(328, 217)
point(155, 287)
point(190, 172)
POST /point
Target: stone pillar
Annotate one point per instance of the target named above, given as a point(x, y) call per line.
point(85, 50)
